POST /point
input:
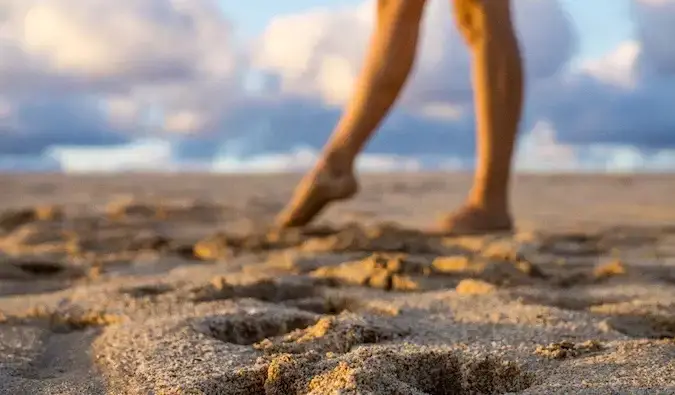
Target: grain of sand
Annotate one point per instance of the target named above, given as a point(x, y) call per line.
point(170, 284)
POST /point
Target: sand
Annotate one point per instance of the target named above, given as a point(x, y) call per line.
point(158, 284)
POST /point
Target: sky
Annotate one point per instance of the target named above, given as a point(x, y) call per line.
point(598, 38)
point(603, 24)
point(232, 86)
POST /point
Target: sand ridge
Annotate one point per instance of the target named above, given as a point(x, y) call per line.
point(186, 295)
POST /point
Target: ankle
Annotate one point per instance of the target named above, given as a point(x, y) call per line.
point(488, 204)
point(337, 163)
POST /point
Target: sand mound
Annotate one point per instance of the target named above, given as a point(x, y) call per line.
point(185, 296)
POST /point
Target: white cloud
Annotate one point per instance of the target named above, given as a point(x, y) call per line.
point(316, 52)
point(540, 150)
point(137, 41)
point(619, 67)
point(159, 155)
point(174, 59)
point(142, 155)
point(101, 72)
point(303, 158)
point(320, 52)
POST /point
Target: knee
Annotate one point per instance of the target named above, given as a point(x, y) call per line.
point(480, 20)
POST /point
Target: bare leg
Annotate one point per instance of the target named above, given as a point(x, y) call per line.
point(389, 61)
point(498, 85)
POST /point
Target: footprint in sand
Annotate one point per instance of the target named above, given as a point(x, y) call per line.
point(643, 326)
point(31, 269)
point(335, 334)
point(252, 328)
point(264, 290)
point(391, 371)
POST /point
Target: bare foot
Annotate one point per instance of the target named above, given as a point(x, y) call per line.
point(316, 191)
point(472, 220)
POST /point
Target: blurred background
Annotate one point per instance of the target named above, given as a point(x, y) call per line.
point(241, 86)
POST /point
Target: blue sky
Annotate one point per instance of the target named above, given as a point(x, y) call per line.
point(601, 24)
point(157, 84)
point(251, 17)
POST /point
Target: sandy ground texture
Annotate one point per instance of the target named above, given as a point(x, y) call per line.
point(142, 284)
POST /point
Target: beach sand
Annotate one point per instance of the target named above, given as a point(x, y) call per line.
point(171, 284)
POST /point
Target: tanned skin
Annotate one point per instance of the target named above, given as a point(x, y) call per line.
point(497, 77)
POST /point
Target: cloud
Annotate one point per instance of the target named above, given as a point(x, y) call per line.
point(617, 68)
point(319, 53)
point(589, 111)
point(540, 150)
point(281, 124)
point(97, 72)
point(165, 80)
point(624, 97)
point(115, 45)
point(162, 156)
point(313, 58)
point(151, 155)
point(303, 158)
point(655, 27)
point(31, 125)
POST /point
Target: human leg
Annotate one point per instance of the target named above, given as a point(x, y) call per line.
point(497, 76)
point(388, 63)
